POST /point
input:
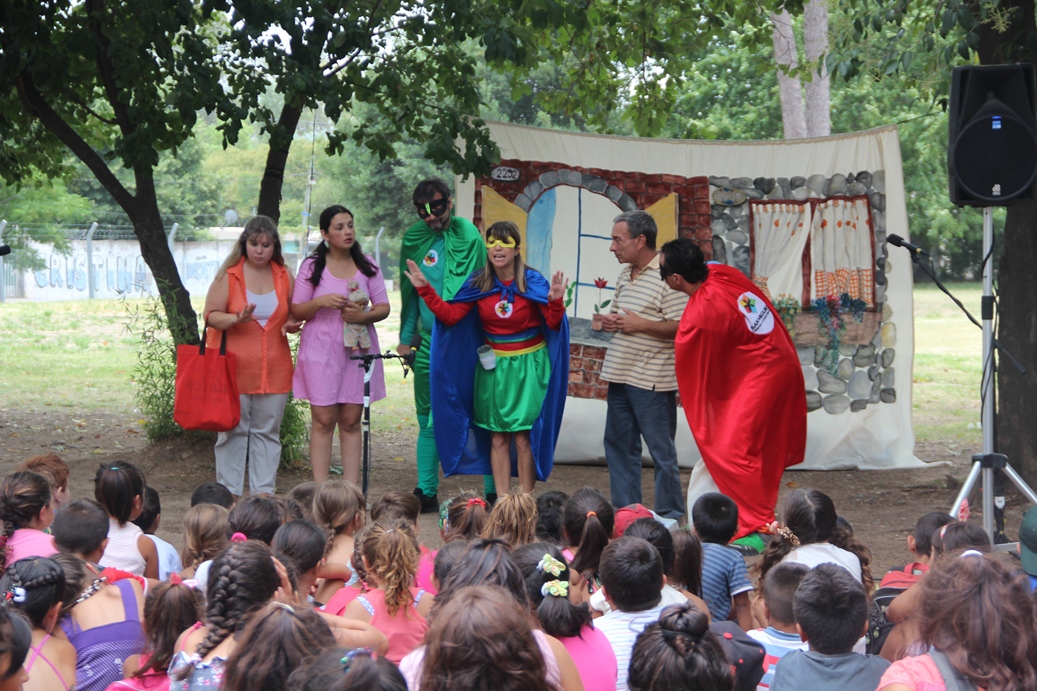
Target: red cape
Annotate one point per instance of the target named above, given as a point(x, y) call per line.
point(742, 390)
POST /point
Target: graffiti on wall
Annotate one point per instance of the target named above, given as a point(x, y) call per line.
point(117, 269)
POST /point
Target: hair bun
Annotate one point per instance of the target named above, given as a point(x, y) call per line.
point(686, 619)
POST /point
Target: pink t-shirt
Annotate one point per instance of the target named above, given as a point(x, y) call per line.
point(919, 673)
point(426, 567)
point(338, 602)
point(405, 630)
point(28, 542)
point(594, 658)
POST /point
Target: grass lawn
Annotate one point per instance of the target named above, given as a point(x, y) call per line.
point(948, 365)
point(81, 355)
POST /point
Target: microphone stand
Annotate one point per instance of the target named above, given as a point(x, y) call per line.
point(366, 361)
point(989, 464)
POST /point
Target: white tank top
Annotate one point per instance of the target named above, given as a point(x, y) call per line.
point(265, 304)
point(122, 551)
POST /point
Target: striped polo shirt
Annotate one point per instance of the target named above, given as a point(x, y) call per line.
point(639, 359)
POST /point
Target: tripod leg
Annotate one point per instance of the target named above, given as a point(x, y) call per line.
point(966, 489)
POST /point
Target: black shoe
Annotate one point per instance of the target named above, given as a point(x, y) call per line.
point(491, 499)
point(429, 504)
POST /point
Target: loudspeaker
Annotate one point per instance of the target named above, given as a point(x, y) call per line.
point(992, 151)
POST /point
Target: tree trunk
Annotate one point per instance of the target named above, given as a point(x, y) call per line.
point(1016, 279)
point(154, 248)
point(276, 159)
point(1017, 331)
point(789, 91)
point(815, 44)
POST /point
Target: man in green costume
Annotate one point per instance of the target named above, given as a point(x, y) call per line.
point(448, 249)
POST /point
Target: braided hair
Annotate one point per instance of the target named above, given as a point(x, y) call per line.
point(679, 652)
point(23, 495)
point(241, 581)
point(33, 586)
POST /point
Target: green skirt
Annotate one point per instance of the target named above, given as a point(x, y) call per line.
point(509, 397)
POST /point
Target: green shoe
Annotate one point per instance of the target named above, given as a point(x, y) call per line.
point(750, 545)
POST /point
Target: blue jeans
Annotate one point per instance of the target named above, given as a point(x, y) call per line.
point(634, 413)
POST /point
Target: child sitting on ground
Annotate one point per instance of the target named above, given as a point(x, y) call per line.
point(212, 493)
point(463, 518)
point(119, 488)
point(919, 544)
point(632, 576)
point(405, 506)
point(587, 524)
point(513, 519)
point(392, 605)
point(781, 635)
point(169, 609)
point(550, 511)
point(26, 512)
point(338, 508)
point(206, 534)
point(81, 529)
point(679, 652)
point(302, 544)
point(831, 612)
point(148, 522)
point(50, 465)
point(725, 579)
point(303, 494)
point(810, 534)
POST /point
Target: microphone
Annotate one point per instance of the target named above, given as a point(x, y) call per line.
point(901, 242)
point(5, 249)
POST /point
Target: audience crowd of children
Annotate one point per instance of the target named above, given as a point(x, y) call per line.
point(316, 591)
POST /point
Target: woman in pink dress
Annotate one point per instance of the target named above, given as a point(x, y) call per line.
point(324, 374)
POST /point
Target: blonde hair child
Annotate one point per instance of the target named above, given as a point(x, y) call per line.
point(338, 508)
point(393, 605)
point(513, 519)
point(206, 534)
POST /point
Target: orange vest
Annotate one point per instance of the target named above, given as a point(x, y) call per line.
point(264, 359)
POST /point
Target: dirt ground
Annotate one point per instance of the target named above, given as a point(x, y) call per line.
point(882, 506)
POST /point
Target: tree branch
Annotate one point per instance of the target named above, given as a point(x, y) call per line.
point(94, 9)
point(37, 107)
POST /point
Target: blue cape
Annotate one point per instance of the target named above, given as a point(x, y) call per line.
point(464, 449)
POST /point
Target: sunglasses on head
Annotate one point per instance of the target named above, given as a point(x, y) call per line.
point(433, 208)
point(498, 242)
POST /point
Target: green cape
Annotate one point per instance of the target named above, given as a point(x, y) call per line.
point(465, 252)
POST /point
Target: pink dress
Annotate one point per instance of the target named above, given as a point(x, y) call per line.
point(594, 658)
point(28, 542)
point(324, 374)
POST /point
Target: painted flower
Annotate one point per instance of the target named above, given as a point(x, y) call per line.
point(600, 283)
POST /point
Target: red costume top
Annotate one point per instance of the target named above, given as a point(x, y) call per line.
point(497, 315)
point(742, 390)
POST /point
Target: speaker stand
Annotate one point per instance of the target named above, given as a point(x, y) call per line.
point(985, 465)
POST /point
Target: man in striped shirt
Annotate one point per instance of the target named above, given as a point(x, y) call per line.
point(642, 395)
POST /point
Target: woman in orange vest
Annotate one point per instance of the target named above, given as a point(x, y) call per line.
point(250, 299)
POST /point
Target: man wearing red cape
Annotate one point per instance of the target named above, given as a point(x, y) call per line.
point(740, 382)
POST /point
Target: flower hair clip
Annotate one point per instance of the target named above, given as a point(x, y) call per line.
point(348, 658)
point(15, 594)
point(556, 588)
point(787, 534)
point(551, 565)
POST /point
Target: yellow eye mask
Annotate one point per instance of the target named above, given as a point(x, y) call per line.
point(497, 242)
